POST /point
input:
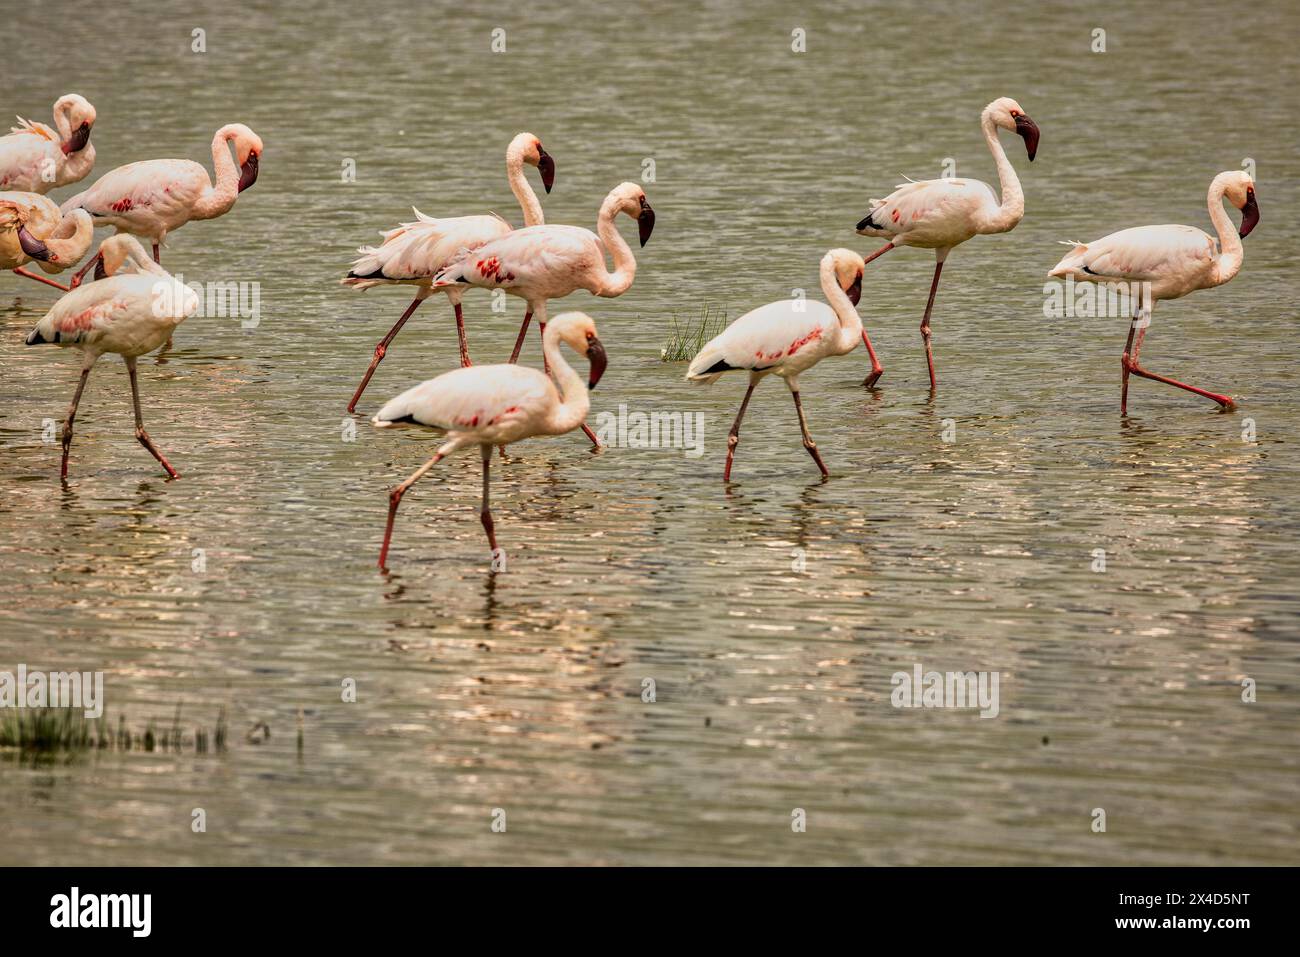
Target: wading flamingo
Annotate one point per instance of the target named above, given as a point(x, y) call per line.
point(1168, 262)
point(154, 197)
point(788, 337)
point(497, 405)
point(413, 253)
point(37, 159)
point(131, 311)
point(939, 214)
point(33, 229)
point(540, 263)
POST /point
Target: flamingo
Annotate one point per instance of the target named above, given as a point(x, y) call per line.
point(498, 404)
point(154, 197)
point(786, 338)
point(413, 253)
point(32, 228)
point(539, 263)
point(939, 214)
point(36, 159)
point(131, 311)
point(1169, 261)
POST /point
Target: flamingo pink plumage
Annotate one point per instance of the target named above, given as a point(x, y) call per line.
point(33, 230)
point(131, 311)
point(413, 253)
point(152, 198)
point(37, 159)
point(1168, 262)
point(491, 405)
point(786, 338)
point(939, 214)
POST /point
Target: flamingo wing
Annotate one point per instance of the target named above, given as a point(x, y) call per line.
point(25, 153)
point(162, 189)
point(533, 257)
point(416, 252)
point(763, 339)
point(1142, 253)
point(914, 206)
point(473, 399)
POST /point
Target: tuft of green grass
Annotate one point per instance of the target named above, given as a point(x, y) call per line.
point(47, 731)
point(686, 338)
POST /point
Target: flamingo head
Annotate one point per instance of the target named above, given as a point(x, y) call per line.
point(81, 117)
point(248, 150)
point(848, 267)
point(578, 330)
point(116, 251)
point(1007, 114)
point(630, 198)
point(1239, 188)
point(529, 149)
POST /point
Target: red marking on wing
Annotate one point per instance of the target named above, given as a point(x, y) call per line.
point(83, 320)
point(123, 205)
point(894, 216)
point(503, 414)
point(800, 343)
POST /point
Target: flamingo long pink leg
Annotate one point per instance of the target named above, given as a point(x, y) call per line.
point(395, 498)
point(141, 435)
point(1123, 392)
point(808, 442)
point(925, 322)
point(1134, 367)
point(523, 330)
point(460, 334)
point(879, 252)
point(48, 282)
point(876, 367)
point(485, 514)
point(733, 437)
point(72, 414)
point(382, 348)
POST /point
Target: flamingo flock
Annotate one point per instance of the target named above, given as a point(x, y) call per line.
point(132, 305)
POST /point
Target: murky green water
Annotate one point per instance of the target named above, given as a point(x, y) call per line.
point(523, 691)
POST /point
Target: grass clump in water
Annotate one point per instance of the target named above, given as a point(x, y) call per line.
point(48, 731)
point(686, 338)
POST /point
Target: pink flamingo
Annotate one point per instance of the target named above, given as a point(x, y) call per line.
point(33, 229)
point(37, 159)
point(786, 338)
point(497, 405)
point(130, 312)
point(939, 214)
point(1168, 262)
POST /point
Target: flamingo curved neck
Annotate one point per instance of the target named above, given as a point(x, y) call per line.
point(614, 283)
point(523, 190)
point(77, 165)
point(1231, 252)
point(61, 121)
point(850, 322)
point(72, 237)
point(218, 199)
point(574, 400)
point(1012, 208)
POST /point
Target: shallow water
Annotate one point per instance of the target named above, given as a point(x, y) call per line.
point(522, 691)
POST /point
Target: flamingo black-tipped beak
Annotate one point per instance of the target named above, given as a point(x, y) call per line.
point(100, 271)
point(1249, 214)
point(645, 221)
point(248, 172)
point(546, 166)
point(596, 356)
point(1027, 130)
point(32, 246)
point(78, 140)
point(855, 291)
